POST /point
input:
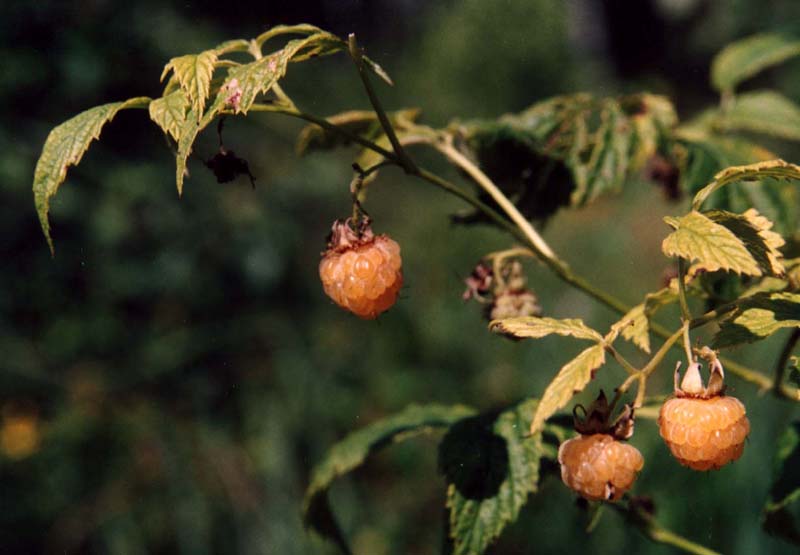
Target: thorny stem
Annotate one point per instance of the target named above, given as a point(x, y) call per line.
point(779, 387)
point(402, 158)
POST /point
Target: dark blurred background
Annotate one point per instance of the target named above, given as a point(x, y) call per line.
point(168, 380)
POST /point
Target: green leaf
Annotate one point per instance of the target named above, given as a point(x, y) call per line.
point(758, 317)
point(353, 450)
point(301, 29)
point(713, 246)
point(766, 112)
point(743, 59)
point(194, 72)
point(779, 520)
point(492, 468)
point(571, 379)
point(772, 169)
point(64, 147)
point(531, 326)
point(169, 112)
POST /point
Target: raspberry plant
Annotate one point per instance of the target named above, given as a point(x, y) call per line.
point(736, 252)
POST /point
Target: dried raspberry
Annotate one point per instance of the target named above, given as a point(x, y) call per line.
point(598, 466)
point(361, 272)
point(703, 428)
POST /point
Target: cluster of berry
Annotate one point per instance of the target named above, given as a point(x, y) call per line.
point(703, 428)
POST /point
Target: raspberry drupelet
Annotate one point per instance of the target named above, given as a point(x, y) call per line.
point(361, 272)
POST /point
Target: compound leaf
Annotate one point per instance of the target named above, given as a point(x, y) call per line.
point(487, 489)
point(743, 59)
point(64, 147)
point(169, 112)
point(713, 246)
point(353, 450)
point(634, 326)
point(534, 327)
point(759, 316)
point(571, 379)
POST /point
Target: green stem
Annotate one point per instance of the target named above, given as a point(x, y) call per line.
point(402, 158)
point(629, 368)
point(685, 313)
point(668, 537)
point(657, 533)
point(533, 238)
point(779, 387)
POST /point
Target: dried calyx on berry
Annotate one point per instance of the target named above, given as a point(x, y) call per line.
point(597, 464)
point(703, 428)
point(504, 293)
point(361, 271)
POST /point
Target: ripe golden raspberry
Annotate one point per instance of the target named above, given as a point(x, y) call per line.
point(703, 428)
point(598, 466)
point(361, 272)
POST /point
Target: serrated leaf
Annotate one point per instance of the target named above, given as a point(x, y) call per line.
point(188, 133)
point(260, 76)
point(571, 379)
point(534, 327)
point(758, 317)
point(194, 72)
point(754, 231)
point(301, 29)
point(713, 246)
point(771, 169)
point(65, 146)
point(477, 515)
point(767, 112)
point(635, 324)
point(743, 59)
point(785, 492)
point(169, 112)
point(652, 121)
point(353, 450)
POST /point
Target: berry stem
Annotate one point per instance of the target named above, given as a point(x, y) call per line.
point(659, 534)
point(685, 312)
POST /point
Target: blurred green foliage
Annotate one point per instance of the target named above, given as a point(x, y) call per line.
point(170, 377)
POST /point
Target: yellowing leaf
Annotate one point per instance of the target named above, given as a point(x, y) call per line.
point(64, 147)
point(531, 326)
point(759, 316)
point(715, 247)
point(194, 72)
point(169, 112)
point(745, 58)
point(753, 230)
point(635, 327)
point(774, 169)
point(571, 379)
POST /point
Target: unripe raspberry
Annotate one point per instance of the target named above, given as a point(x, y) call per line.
point(703, 428)
point(361, 272)
point(598, 466)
